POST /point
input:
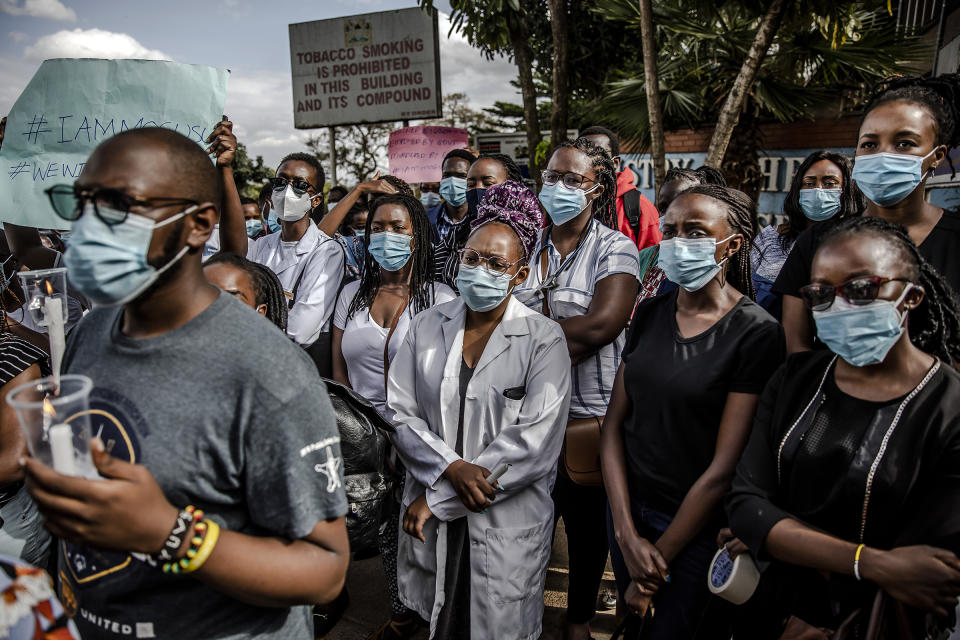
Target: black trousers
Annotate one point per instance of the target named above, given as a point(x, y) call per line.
point(583, 510)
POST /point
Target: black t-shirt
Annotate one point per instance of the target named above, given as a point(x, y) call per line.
point(678, 388)
point(939, 249)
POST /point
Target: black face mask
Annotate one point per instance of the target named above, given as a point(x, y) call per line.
point(474, 196)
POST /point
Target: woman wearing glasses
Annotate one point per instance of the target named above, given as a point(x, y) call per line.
point(849, 482)
point(479, 392)
point(583, 274)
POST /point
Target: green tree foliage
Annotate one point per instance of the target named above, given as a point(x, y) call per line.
point(823, 61)
point(249, 175)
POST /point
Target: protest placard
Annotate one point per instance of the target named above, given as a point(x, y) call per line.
point(416, 153)
point(72, 105)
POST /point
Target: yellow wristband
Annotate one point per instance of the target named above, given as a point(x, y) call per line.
point(205, 549)
point(856, 562)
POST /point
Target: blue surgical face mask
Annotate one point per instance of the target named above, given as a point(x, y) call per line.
point(563, 204)
point(480, 289)
point(861, 334)
point(820, 204)
point(271, 220)
point(454, 190)
point(887, 178)
point(253, 228)
point(474, 196)
point(108, 263)
point(390, 250)
point(359, 233)
point(430, 199)
point(690, 262)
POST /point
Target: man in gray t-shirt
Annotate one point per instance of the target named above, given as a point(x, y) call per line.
point(213, 406)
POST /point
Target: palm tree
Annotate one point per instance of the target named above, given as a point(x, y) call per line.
point(503, 27)
point(825, 55)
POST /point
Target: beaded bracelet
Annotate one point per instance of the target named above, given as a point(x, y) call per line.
point(175, 539)
point(206, 534)
point(174, 565)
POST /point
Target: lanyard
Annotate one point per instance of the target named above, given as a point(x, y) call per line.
point(550, 283)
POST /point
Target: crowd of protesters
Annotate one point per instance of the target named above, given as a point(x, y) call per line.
point(672, 381)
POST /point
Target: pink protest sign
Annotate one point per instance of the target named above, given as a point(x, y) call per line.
point(416, 153)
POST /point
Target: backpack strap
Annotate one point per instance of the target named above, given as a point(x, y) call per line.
point(631, 210)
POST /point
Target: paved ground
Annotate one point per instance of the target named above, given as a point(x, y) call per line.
point(370, 604)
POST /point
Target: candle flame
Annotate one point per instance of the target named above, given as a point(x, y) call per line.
point(48, 409)
point(49, 288)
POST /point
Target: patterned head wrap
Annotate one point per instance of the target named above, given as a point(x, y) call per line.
point(514, 205)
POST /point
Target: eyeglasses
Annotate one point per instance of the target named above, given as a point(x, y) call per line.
point(495, 264)
point(300, 187)
point(858, 291)
point(570, 180)
point(110, 205)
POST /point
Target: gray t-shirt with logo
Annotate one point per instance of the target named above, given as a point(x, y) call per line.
point(229, 415)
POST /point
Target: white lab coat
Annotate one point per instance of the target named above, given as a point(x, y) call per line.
point(510, 542)
point(320, 259)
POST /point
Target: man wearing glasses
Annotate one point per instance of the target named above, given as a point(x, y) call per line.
point(308, 262)
point(184, 417)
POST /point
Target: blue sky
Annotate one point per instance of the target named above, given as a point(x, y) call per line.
point(247, 36)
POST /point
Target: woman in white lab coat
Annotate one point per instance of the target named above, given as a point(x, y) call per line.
point(481, 382)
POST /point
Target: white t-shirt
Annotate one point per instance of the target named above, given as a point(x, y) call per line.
point(363, 342)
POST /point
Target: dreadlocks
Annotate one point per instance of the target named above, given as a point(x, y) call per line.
point(508, 164)
point(421, 273)
point(940, 96)
point(267, 289)
point(605, 206)
point(742, 218)
point(935, 323)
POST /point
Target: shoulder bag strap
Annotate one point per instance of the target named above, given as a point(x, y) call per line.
point(392, 328)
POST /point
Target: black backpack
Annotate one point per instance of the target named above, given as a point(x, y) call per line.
point(631, 210)
point(368, 480)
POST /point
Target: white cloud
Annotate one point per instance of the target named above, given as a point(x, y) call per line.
point(51, 9)
point(89, 43)
point(464, 69)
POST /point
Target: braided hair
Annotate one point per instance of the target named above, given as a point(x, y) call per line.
point(267, 289)
point(852, 202)
point(935, 323)
point(509, 165)
point(701, 175)
point(605, 205)
point(421, 275)
point(939, 95)
point(400, 185)
point(742, 218)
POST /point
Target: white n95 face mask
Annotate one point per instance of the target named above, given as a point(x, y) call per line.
point(289, 206)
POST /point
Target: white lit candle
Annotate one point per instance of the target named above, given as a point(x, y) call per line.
point(61, 446)
point(53, 316)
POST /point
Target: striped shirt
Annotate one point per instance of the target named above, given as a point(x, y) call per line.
point(445, 258)
point(17, 355)
point(602, 253)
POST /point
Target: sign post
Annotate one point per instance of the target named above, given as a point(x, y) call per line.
point(374, 67)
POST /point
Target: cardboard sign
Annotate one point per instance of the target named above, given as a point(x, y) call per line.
point(72, 105)
point(375, 67)
point(416, 153)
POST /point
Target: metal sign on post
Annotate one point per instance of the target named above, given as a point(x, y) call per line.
point(374, 67)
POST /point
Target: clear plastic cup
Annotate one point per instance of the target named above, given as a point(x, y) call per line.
point(45, 289)
point(57, 425)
